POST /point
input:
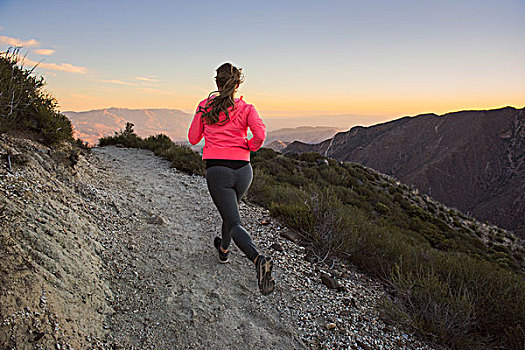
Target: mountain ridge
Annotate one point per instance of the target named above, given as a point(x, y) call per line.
point(92, 125)
point(480, 153)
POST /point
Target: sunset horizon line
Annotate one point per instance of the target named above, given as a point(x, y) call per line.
point(295, 113)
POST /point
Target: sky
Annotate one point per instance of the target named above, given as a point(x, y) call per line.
point(329, 62)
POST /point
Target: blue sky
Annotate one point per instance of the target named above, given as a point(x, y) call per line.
point(377, 58)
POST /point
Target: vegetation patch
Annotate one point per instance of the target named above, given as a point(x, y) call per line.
point(25, 107)
point(182, 158)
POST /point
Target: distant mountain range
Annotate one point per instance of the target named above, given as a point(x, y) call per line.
point(471, 160)
point(92, 125)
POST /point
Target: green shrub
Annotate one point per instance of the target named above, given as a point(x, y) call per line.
point(24, 105)
point(265, 153)
point(428, 302)
point(262, 188)
point(158, 142)
point(182, 158)
point(126, 137)
point(295, 216)
point(381, 208)
point(331, 176)
point(310, 157)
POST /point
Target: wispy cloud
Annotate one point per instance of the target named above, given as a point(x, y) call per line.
point(149, 78)
point(107, 89)
point(146, 83)
point(44, 52)
point(64, 67)
point(17, 42)
point(118, 82)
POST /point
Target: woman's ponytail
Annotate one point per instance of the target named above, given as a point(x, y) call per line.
point(228, 80)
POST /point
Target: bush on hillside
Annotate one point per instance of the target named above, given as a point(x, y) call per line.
point(182, 158)
point(24, 105)
point(126, 137)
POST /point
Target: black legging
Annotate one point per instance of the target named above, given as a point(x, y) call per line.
point(227, 186)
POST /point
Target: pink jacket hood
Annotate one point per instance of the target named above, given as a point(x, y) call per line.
point(229, 140)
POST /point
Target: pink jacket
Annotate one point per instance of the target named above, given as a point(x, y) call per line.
point(229, 141)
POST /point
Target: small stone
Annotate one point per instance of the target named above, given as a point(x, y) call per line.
point(265, 222)
point(155, 220)
point(350, 302)
point(277, 246)
point(330, 325)
point(329, 281)
point(38, 335)
point(290, 236)
point(345, 313)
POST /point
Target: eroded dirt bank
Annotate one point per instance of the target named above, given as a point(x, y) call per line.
point(53, 289)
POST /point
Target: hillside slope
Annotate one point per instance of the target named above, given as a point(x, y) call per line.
point(472, 160)
point(52, 228)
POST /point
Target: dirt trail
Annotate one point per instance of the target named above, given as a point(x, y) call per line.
point(170, 291)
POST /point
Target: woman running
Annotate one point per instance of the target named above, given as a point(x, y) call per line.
point(223, 121)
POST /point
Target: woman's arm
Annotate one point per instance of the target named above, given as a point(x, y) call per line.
point(196, 130)
point(257, 128)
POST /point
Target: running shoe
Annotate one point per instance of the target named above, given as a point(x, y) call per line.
point(223, 257)
point(265, 281)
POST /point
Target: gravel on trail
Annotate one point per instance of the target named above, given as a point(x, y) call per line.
point(170, 291)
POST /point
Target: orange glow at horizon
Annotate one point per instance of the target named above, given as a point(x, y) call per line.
point(296, 105)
